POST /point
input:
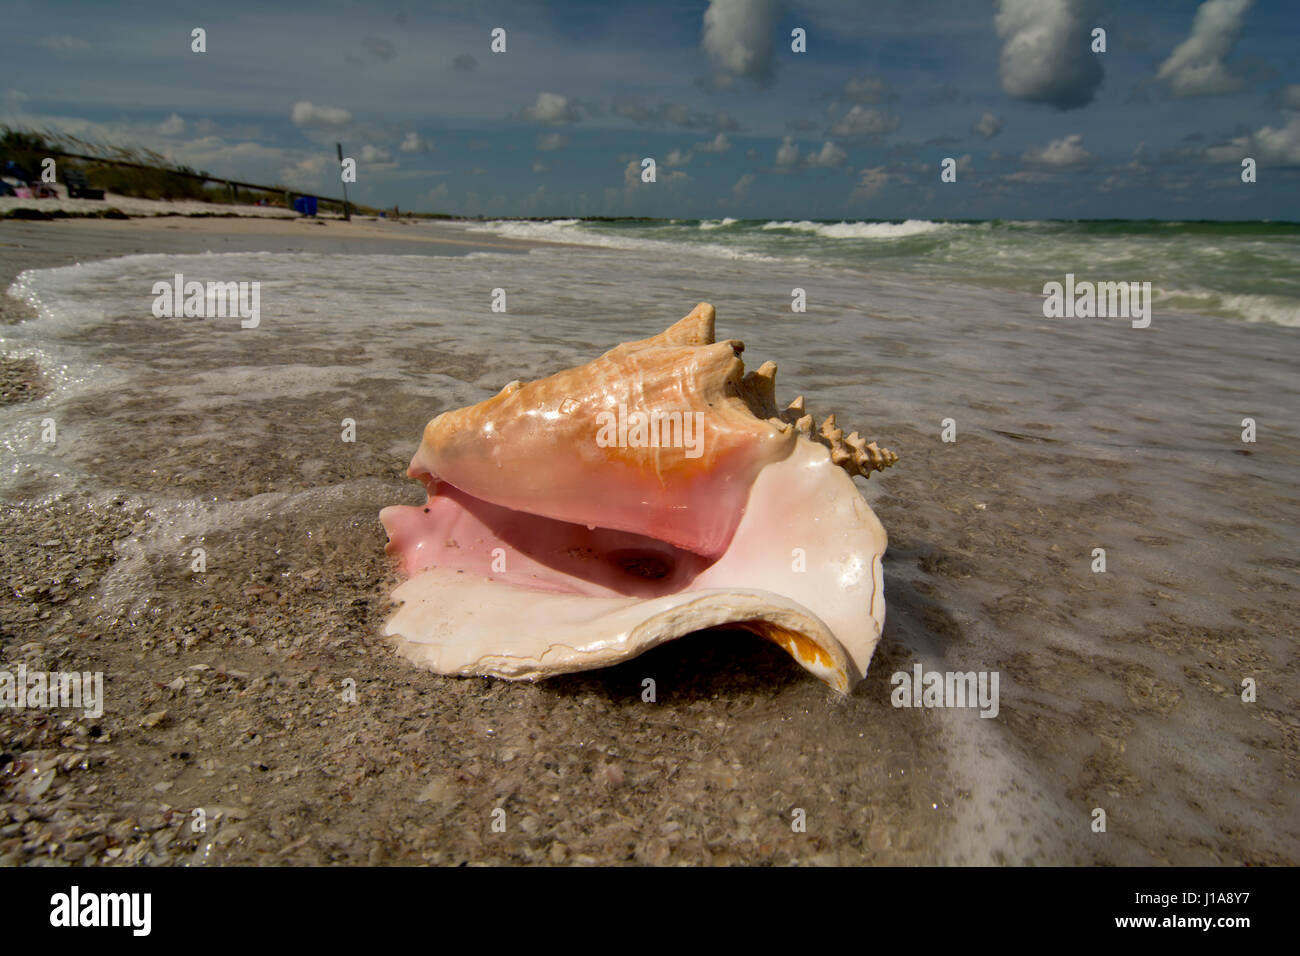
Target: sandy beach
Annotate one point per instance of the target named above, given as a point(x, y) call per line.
point(228, 690)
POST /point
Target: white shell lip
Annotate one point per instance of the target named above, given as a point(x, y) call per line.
point(576, 633)
point(804, 567)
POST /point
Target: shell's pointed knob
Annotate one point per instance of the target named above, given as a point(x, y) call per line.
point(694, 329)
point(830, 432)
point(759, 388)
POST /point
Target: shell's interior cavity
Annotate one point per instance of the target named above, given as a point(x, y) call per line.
point(458, 531)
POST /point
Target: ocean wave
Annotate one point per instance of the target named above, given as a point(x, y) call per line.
point(1250, 308)
point(573, 231)
point(707, 224)
point(861, 230)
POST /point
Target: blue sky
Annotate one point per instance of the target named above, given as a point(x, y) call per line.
point(738, 123)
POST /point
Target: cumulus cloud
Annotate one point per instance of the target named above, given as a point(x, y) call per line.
point(174, 125)
point(828, 157)
point(632, 174)
point(870, 90)
point(1028, 177)
point(741, 186)
point(719, 144)
point(540, 167)
point(988, 125)
point(1064, 153)
point(415, 143)
point(860, 123)
point(548, 141)
point(375, 154)
point(1280, 146)
point(739, 36)
point(1046, 52)
point(1270, 146)
point(308, 114)
point(677, 158)
point(306, 173)
point(788, 154)
point(870, 182)
point(551, 108)
point(1196, 66)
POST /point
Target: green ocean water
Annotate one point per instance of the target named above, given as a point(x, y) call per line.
point(1248, 271)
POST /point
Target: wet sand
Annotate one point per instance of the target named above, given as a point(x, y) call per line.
point(227, 691)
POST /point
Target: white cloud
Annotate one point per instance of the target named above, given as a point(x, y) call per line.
point(739, 36)
point(988, 125)
point(632, 174)
point(375, 154)
point(540, 167)
point(788, 154)
point(677, 158)
point(415, 143)
point(719, 144)
point(1268, 145)
point(742, 185)
point(307, 114)
point(551, 108)
point(552, 141)
point(1280, 146)
point(1028, 176)
point(859, 123)
point(871, 181)
point(1196, 66)
point(174, 125)
point(829, 156)
point(1064, 153)
point(307, 173)
point(1046, 52)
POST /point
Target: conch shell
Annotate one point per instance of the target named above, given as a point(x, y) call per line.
point(579, 520)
